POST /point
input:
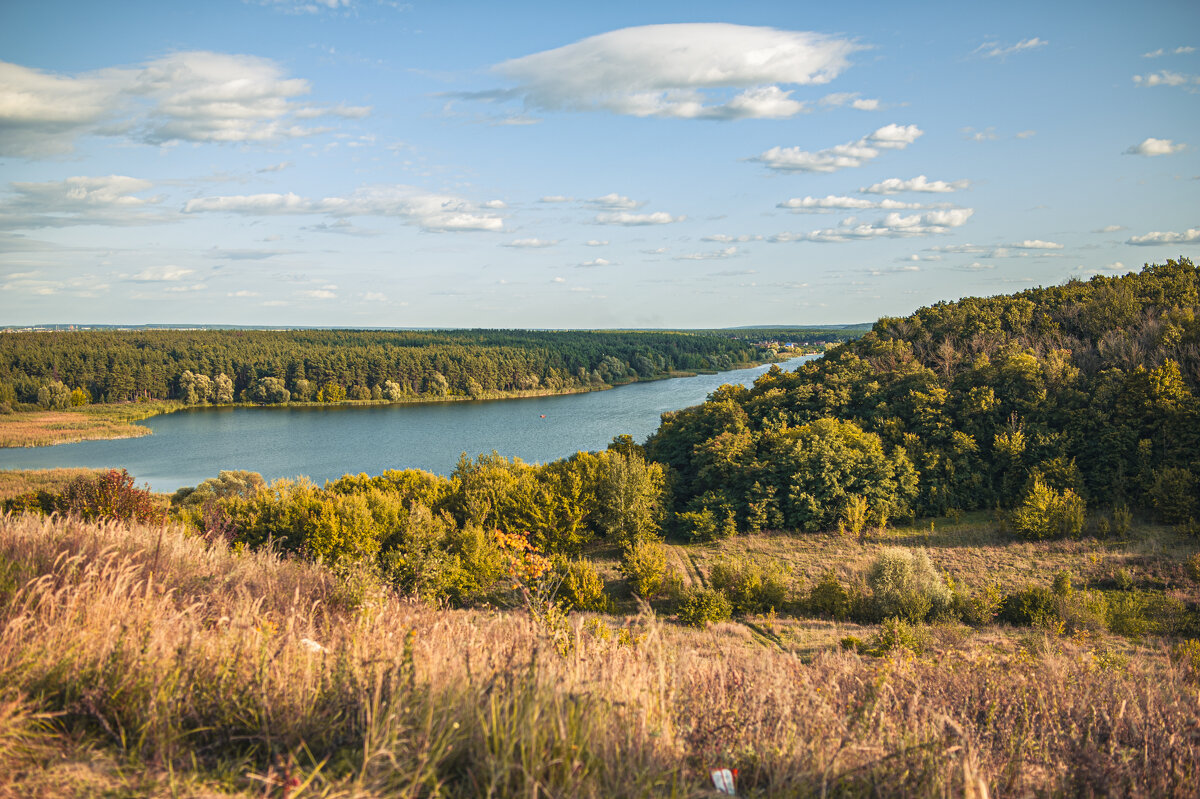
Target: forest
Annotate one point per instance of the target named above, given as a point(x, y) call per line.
point(63, 369)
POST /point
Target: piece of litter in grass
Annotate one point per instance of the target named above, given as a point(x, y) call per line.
point(723, 780)
point(311, 645)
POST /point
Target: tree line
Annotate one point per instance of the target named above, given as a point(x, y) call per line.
point(60, 369)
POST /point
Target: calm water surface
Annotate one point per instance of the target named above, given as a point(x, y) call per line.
point(325, 443)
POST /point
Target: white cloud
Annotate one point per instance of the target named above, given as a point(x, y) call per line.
point(997, 50)
point(843, 156)
point(1184, 50)
point(1109, 229)
point(721, 238)
point(532, 244)
point(1152, 147)
point(275, 167)
point(195, 96)
point(597, 262)
point(615, 202)
point(919, 183)
point(243, 293)
point(852, 99)
point(689, 70)
point(432, 212)
point(555, 198)
point(987, 134)
point(892, 226)
point(495, 205)
point(1035, 244)
point(104, 200)
point(629, 220)
point(595, 243)
point(713, 255)
point(1025, 134)
point(374, 296)
point(1166, 78)
point(306, 6)
point(1189, 236)
point(160, 274)
point(318, 294)
point(835, 203)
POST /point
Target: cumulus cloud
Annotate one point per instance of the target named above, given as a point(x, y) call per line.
point(595, 243)
point(614, 202)
point(431, 212)
point(1166, 78)
point(892, 226)
point(318, 294)
point(555, 198)
point(195, 96)
point(997, 50)
point(597, 262)
point(106, 200)
point(634, 220)
point(1153, 147)
point(713, 255)
point(1109, 229)
point(531, 244)
point(834, 203)
point(1189, 236)
point(843, 156)
point(920, 184)
point(1184, 50)
point(688, 71)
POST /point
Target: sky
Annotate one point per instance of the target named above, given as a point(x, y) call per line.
point(363, 163)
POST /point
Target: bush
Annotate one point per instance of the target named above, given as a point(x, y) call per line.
point(705, 606)
point(1033, 605)
point(581, 584)
point(751, 586)
point(111, 495)
point(977, 608)
point(644, 564)
point(1187, 655)
point(896, 634)
point(1046, 513)
point(905, 584)
point(1192, 566)
point(829, 598)
point(1173, 495)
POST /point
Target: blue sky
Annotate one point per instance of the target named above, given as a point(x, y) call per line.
point(522, 164)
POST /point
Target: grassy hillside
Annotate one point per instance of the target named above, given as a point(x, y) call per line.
point(139, 660)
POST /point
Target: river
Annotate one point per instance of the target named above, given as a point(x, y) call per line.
point(324, 443)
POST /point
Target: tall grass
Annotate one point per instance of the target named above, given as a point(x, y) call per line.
point(247, 672)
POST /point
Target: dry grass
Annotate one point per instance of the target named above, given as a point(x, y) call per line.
point(14, 482)
point(172, 667)
point(43, 428)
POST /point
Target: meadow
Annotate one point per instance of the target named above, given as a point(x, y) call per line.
point(144, 660)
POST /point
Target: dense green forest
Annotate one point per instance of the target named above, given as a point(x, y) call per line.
point(1088, 388)
point(59, 369)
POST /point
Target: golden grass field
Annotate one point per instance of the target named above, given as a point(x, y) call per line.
point(141, 661)
point(45, 427)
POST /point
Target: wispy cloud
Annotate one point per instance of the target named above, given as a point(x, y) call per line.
point(531, 244)
point(431, 212)
point(998, 50)
point(834, 203)
point(634, 220)
point(1166, 78)
point(1160, 52)
point(110, 200)
point(712, 255)
point(614, 202)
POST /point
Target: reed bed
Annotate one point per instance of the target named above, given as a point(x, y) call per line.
point(169, 665)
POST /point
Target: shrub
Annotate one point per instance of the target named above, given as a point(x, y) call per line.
point(1192, 566)
point(896, 634)
point(829, 598)
point(752, 587)
point(978, 608)
point(581, 584)
point(705, 606)
point(1173, 495)
point(905, 584)
point(1046, 513)
point(1062, 583)
point(644, 564)
point(1187, 655)
point(111, 495)
point(706, 525)
point(1032, 605)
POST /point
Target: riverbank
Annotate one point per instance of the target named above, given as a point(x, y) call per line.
point(43, 428)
